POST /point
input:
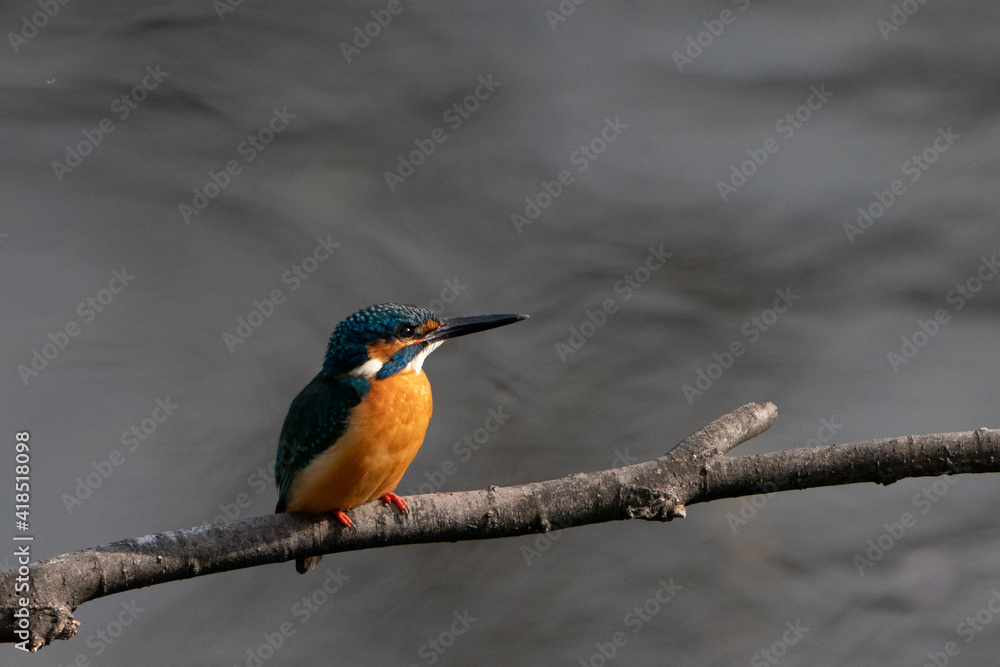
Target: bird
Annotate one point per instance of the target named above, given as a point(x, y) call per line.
point(350, 434)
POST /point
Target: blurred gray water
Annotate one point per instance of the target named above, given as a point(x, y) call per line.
point(807, 111)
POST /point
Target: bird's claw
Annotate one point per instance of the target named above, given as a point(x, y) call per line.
point(395, 500)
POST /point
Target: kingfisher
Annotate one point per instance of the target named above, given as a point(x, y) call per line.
point(353, 430)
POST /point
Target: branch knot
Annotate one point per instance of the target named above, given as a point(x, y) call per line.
point(641, 502)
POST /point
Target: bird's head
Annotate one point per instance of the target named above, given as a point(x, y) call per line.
point(383, 340)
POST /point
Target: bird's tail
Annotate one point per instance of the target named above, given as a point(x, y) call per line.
point(303, 565)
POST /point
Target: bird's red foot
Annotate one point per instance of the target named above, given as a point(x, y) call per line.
point(343, 518)
point(395, 500)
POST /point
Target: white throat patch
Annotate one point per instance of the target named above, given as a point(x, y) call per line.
point(418, 361)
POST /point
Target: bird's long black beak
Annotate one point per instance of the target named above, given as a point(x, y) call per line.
point(459, 326)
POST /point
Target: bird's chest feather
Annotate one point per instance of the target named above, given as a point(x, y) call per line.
point(384, 432)
point(393, 414)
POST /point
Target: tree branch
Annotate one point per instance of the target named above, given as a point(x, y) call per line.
point(695, 471)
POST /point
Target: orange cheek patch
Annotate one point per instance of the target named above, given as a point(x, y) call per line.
point(383, 350)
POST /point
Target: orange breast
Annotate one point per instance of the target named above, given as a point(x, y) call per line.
point(385, 431)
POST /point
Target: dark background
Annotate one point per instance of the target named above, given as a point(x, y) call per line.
point(444, 237)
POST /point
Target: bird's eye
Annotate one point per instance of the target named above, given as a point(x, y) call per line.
point(405, 331)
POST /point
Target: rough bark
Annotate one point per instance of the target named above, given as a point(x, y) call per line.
point(695, 471)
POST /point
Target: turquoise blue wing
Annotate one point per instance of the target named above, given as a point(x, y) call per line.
point(316, 418)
